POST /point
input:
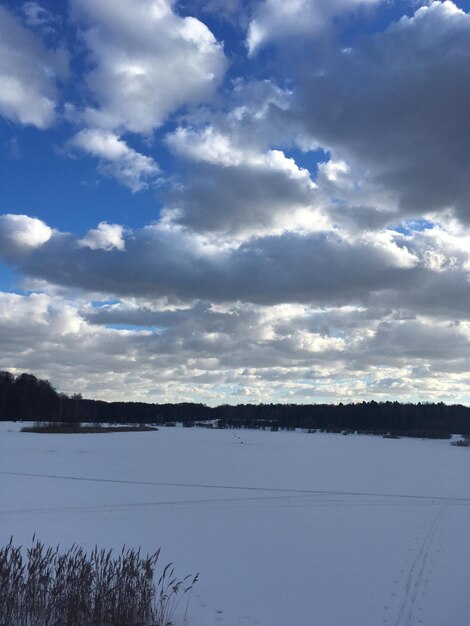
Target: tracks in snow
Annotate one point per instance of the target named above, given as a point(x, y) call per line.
point(262, 496)
point(415, 577)
point(429, 499)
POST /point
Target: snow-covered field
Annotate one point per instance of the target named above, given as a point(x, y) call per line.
point(286, 529)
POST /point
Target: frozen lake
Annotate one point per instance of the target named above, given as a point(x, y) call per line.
point(285, 529)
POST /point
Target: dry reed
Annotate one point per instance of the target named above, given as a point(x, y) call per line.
point(43, 587)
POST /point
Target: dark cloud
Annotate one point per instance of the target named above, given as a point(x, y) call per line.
point(394, 106)
point(417, 339)
point(316, 267)
point(239, 198)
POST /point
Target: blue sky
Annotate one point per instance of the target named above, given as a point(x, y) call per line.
point(247, 201)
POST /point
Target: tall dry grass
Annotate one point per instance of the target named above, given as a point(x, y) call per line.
point(41, 586)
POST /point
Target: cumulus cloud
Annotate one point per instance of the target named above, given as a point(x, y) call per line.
point(20, 234)
point(238, 190)
point(147, 61)
point(117, 160)
point(233, 180)
point(321, 267)
point(208, 145)
point(392, 108)
point(104, 237)
point(278, 20)
point(28, 75)
point(206, 352)
point(259, 279)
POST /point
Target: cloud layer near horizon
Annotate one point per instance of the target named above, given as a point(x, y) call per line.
point(313, 237)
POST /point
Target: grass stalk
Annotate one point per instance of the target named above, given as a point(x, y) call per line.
point(41, 586)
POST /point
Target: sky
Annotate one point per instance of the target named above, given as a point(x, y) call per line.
point(237, 201)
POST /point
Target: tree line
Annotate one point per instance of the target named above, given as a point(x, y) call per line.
point(25, 397)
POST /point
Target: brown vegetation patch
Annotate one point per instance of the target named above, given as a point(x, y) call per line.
point(74, 428)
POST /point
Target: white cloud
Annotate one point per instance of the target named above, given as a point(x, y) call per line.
point(252, 117)
point(19, 234)
point(132, 169)
point(147, 60)
point(102, 144)
point(258, 280)
point(18, 310)
point(211, 145)
point(278, 20)
point(104, 237)
point(202, 352)
point(28, 73)
point(208, 145)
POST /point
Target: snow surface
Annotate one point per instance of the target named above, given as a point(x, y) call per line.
point(285, 529)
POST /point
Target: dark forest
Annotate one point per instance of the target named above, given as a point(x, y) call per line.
point(27, 398)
